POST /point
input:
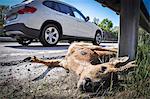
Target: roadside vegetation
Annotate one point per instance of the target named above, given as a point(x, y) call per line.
point(110, 31)
point(140, 81)
point(3, 10)
point(137, 82)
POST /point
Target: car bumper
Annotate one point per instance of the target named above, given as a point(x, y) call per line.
point(20, 29)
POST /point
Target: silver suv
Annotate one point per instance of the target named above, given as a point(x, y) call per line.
point(49, 21)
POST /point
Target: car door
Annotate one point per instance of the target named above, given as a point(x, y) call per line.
point(62, 14)
point(69, 24)
point(84, 28)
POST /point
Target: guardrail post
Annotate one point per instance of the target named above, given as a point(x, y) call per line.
point(129, 23)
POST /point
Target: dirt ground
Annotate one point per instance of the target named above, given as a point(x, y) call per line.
point(25, 80)
point(35, 80)
point(30, 80)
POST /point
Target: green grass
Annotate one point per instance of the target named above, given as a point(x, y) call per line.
point(136, 83)
point(139, 81)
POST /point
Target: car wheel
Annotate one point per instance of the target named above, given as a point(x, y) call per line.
point(24, 41)
point(98, 38)
point(50, 35)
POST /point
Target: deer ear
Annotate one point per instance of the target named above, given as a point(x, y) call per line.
point(115, 61)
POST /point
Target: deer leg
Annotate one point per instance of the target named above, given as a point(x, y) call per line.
point(49, 63)
point(104, 56)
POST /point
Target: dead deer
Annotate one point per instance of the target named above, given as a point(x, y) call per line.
point(85, 60)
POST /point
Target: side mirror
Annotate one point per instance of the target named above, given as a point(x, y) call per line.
point(87, 18)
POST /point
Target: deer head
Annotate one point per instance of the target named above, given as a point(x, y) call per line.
point(97, 74)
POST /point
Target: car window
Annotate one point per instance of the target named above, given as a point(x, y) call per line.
point(78, 14)
point(48, 4)
point(65, 9)
point(52, 5)
point(56, 6)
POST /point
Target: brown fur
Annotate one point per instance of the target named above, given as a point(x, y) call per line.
point(84, 60)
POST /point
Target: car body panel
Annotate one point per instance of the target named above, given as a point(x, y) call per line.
point(71, 26)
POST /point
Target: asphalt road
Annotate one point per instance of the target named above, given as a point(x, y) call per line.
point(10, 51)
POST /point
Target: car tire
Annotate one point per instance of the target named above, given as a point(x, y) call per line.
point(24, 42)
point(50, 35)
point(98, 38)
